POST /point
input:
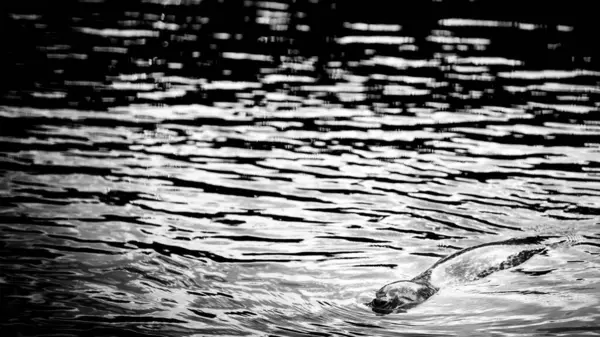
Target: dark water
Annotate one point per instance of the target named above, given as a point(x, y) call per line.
point(234, 168)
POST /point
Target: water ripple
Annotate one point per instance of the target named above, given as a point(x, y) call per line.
point(249, 168)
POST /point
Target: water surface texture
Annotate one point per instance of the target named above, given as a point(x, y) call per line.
point(261, 168)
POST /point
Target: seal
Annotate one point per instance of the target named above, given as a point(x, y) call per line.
point(466, 265)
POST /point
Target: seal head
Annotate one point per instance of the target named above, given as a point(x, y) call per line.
point(400, 295)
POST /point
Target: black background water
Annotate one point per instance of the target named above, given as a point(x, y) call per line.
point(261, 168)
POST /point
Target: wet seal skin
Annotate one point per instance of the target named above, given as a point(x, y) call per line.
point(469, 264)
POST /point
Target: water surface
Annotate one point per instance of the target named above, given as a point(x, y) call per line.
point(262, 168)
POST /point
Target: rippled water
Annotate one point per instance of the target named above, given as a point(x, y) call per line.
point(262, 168)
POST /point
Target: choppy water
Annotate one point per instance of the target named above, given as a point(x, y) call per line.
point(262, 168)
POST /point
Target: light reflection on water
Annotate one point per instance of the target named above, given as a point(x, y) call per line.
point(208, 243)
point(178, 195)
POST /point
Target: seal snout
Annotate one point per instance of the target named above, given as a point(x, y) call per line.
point(380, 302)
point(383, 305)
point(383, 301)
